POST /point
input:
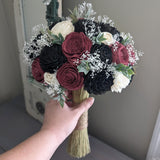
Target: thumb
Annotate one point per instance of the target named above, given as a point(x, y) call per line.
point(85, 105)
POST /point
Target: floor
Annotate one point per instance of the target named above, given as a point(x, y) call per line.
point(16, 125)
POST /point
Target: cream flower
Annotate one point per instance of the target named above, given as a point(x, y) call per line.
point(64, 27)
point(51, 79)
point(109, 38)
point(120, 81)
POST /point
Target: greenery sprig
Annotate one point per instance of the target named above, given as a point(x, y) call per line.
point(83, 67)
point(61, 96)
point(126, 70)
point(57, 39)
point(99, 38)
point(73, 14)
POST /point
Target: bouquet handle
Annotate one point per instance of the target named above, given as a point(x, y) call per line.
point(78, 145)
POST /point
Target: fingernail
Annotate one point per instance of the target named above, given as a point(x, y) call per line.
point(92, 100)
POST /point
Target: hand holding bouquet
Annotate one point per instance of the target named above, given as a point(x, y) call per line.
point(83, 56)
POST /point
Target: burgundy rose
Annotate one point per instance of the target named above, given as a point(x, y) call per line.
point(75, 45)
point(69, 77)
point(37, 71)
point(120, 55)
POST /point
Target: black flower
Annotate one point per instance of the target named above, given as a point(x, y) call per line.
point(86, 26)
point(104, 51)
point(104, 27)
point(99, 84)
point(51, 58)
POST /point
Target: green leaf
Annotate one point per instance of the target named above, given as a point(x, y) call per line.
point(130, 72)
point(61, 103)
point(99, 38)
point(70, 11)
point(125, 41)
point(102, 39)
point(57, 39)
point(75, 11)
point(83, 67)
point(126, 70)
point(49, 32)
point(73, 14)
point(61, 99)
point(83, 70)
point(61, 37)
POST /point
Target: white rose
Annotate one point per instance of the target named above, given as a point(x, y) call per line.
point(109, 38)
point(64, 27)
point(50, 79)
point(120, 81)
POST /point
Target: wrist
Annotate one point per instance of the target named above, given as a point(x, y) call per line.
point(54, 135)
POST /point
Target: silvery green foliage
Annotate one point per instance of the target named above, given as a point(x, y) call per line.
point(105, 19)
point(98, 39)
point(127, 39)
point(85, 10)
point(46, 2)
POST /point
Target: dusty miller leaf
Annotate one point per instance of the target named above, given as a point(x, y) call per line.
point(83, 67)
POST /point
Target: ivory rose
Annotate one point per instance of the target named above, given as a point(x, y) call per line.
point(64, 27)
point(109, 38)
point(50, 78)
point(120, 82)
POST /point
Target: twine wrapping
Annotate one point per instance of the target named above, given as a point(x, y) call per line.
point(82, 122)
point(78, 145)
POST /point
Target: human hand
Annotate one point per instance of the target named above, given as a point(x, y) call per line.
point(62, 121)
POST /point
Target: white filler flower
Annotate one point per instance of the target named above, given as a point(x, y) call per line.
point(64, 27)
point(109, 38)
point(120, 81)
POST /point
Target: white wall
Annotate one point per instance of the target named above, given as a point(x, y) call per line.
point(126, 120)
point(10, 78)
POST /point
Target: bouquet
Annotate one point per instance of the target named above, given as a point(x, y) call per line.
point(82, 55)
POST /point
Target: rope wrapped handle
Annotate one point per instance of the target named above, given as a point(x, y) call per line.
point(78, 97)
point(78, 145)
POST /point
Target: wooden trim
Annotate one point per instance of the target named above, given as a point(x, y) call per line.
point(154, 148)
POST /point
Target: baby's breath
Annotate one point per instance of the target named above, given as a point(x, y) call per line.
point(40, 38)
point(129, 43)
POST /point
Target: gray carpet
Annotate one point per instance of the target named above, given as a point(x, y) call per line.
point(16, 125)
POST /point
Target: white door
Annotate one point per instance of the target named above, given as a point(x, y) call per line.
point(29, 13)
